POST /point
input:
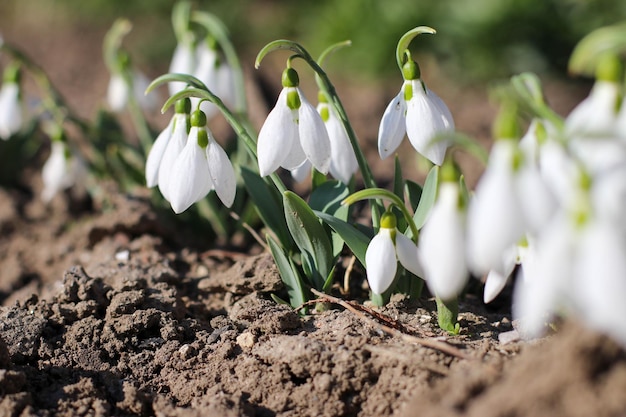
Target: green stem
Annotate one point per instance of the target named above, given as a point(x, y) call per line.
point(447, 313)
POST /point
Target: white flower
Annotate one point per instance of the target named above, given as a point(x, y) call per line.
point(421, 117)
point(495, 218)
point(383, 253)
point(183, 62)
point(595, 116)
point(293, 132)
point(156, 153)
point(442, 245)
point(60, 171)
point(175, 146)
point(301, 172)
point(217, 75)
point(343, 163)
point(118, 92)
point(10, 110)
point(201, 166)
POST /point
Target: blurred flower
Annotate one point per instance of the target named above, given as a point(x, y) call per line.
point(343, 163)
point(293, 132)
point(11, 118)
point(119, 89)
point(201, 166)
point(418, 112)
point(216, 74)
point(61, 170)
point(383, 253)
point(442, 244)
point(183, 62)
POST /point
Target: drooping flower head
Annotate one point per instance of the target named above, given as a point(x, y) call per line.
point(215, 73)
point(11, 112)
point(201, 166)
point(62, 169)
point(385, 250)
point(417, 112)
point(293, 132)
point(343, 162)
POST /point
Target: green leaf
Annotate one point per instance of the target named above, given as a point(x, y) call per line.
point(356, 240)
point(310, 237)
point(327, 198)
point(405, 40)
point(398, 189)
point(268, 205)
point(414, 193)
point(427, 200)
point(288, 274)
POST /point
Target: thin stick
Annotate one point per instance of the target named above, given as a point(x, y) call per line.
point(251, 230)
point(429, 343)
point(346, 276)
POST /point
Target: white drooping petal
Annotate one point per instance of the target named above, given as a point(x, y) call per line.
point(140, 84)
point(495, 219)
point(381, 262)
point(222, 173)
point(392, 126)
point(407, 254)
point(498, 277)
point(10, 110)
point(446, 115)
point(545, 285)
point(537, 201)
point(57, 173)
point(301, 172)
point(190, 180)
point(117, 93)
point(424, 120)
point(206, 71)
point(608, 196)
point(277, 137)
point(174, 147)
point(156, 154)
point(442, 245)
point(595, 116)
point(226, 84)
point(559, 172)
point(601, 278)
point(313, 136)
point(183, 62)
point(343, 163)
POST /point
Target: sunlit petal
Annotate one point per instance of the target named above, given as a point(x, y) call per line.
point(222, 173)
point(381, 262)
point(392, 126)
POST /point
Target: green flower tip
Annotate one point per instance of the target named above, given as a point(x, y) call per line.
point(321, 97)
point(203, 138)
point(183, 106)
point(410, 70)
point(12, 74)
point(290, 78)
point(293, 100)
point(449, 171)
point(388, 220)
point(198, 119)
point(609, 68)
point(506, 125)
point(541, 133)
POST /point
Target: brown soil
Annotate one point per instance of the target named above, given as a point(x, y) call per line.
point(112, 309)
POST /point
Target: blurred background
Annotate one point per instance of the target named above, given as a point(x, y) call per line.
point(479, 43)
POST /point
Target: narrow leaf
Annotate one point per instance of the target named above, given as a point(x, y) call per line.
point(288, 274)
point(356, 240)
point(427, 200)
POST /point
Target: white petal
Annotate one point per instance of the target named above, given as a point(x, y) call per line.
point(117, 93)
point(538, 203)
point(381, 262)
point(442, 245)
point(495, 220)
point(343, 163)
point(301, 173)
point(276, 137)
point(407, 254)
point(10, 110)
point(446, 115)
point(222, 173)
point(392, 126)
point(174, 148)
point(313, 136)
point(206, 68)
point(55, 172)
point(424, 120)
point(190, 180)
point(156, 154)
point(183, 62)
point(140, 84)
point(595, 116)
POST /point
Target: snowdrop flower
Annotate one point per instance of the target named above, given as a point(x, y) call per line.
point(11, 118)
point(61, 170)
point(200, 167)
point(418, 112)
point(293, 132)
point(216, 74)
point(383, 253)
point(343, 163)
point(119, 90)
point(519, 254)
point(442, 243)
point(183, 62)
point(301, 172)
point(175, 145)
point(158, 165)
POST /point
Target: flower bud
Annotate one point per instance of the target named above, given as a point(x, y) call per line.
point(410, 70)
point(609, 68)
point(198, 119)
point(183, 106)
point(290, 78)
